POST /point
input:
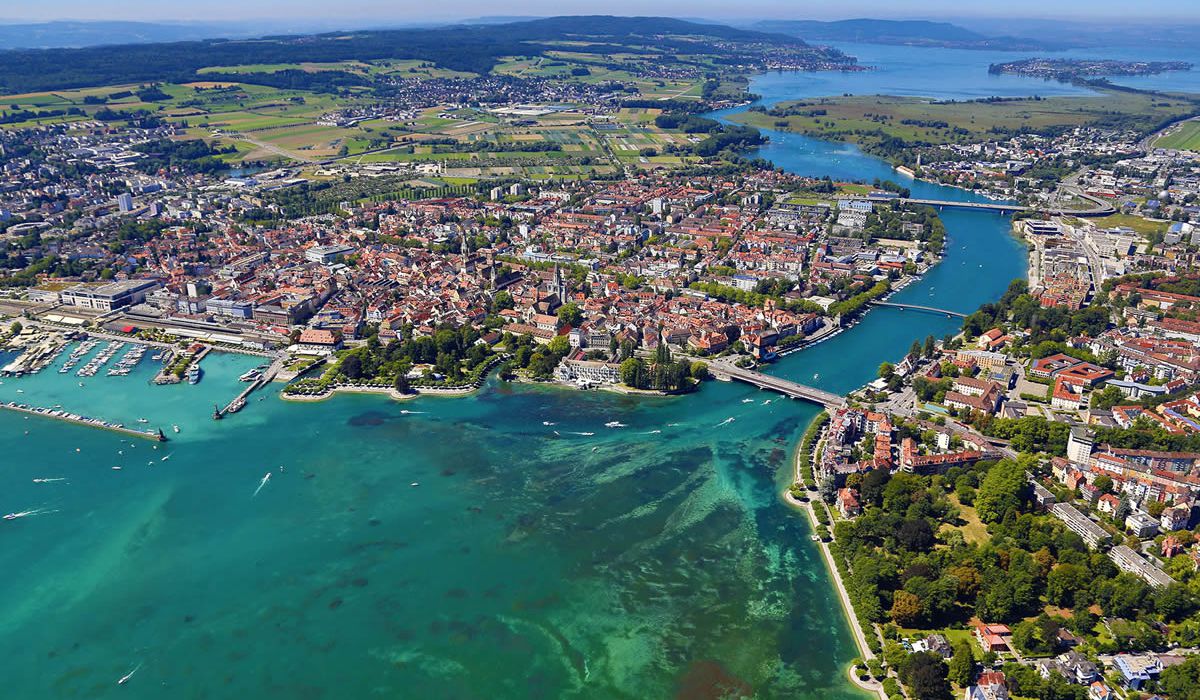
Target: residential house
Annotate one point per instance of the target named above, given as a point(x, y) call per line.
point(847, 503)
point(991, 685)
point(993, 637)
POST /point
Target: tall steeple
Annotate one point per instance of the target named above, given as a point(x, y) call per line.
point(560, 288)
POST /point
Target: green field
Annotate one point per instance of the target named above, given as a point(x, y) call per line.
point(867, 119)
point(1184, 137)
point(1145, 227)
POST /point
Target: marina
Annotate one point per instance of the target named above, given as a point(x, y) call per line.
point(96, 363)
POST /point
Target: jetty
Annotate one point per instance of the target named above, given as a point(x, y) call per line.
point(58, 414)
point(239, 402)
point(795, 390)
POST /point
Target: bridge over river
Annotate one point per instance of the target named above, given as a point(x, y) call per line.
point(918, 307)
point(1099, 207)
point(795, 390)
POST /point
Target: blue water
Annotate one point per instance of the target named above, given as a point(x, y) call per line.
point(960, 74)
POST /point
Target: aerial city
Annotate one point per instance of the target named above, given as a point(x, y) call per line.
point(650, 350)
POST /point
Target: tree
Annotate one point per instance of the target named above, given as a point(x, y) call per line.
point(699, 371)
point(930, 348)
point(541, 365)
point(1182, 681)
point(1002, 492)
point(570, 314)
point(886, 370)
point(352, 366)
point(559, 345)
point(1107, 397)
point(962, 664)
point(925, 675)
point(906, 608)
point(915, 535)
point(1064, 582)
point(502, 300)
point(632, 372)
point(873, 485)
point(402, 384)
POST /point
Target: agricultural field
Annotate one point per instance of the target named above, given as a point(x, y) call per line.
point(266, 123)
point(396, 68)
point(862, 119)
point(1183, 137)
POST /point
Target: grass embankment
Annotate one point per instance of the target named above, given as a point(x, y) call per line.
point(872, 120)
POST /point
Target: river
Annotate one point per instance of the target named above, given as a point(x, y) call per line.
point(507, 545)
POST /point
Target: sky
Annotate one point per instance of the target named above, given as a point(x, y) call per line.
point(410, 11)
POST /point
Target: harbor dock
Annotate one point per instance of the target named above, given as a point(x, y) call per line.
point(156, 435)
point(239, 402)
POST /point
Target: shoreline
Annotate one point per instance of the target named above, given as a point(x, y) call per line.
point(874, 687)
point(390, 392)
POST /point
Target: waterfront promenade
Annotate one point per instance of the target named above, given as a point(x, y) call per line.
point(860, 638)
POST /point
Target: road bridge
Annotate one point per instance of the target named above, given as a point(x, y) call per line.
point(918, 307)
point(788, 388)
point(1099, 208)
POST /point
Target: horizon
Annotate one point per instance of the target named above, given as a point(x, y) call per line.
point(390, 13)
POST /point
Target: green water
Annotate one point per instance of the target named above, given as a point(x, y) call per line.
point(628, 563)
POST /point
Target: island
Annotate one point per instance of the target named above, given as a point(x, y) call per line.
point(1071, 69)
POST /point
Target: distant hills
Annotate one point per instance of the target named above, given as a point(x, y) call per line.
point(900, 32)
point(472, 48)
point(69, 34)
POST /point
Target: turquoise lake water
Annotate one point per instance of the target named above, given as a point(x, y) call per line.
point(648, 561)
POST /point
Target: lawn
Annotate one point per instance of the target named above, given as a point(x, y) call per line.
point(973, 529)
point(1184, 137)
point(1144, 227)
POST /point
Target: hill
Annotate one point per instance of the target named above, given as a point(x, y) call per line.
point(902, 32)
point(471, 48)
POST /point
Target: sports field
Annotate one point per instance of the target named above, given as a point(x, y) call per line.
point(1183, 137)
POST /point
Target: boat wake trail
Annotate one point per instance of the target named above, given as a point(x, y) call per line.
point(262, 483)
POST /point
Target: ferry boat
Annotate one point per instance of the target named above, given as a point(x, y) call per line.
point(236, 406)
point(251, 375)
point(194, 373)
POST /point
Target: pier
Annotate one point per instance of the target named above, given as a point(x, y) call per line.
point(239, 402)
point(77, 419)
point(918, 307)
point(788, 388)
